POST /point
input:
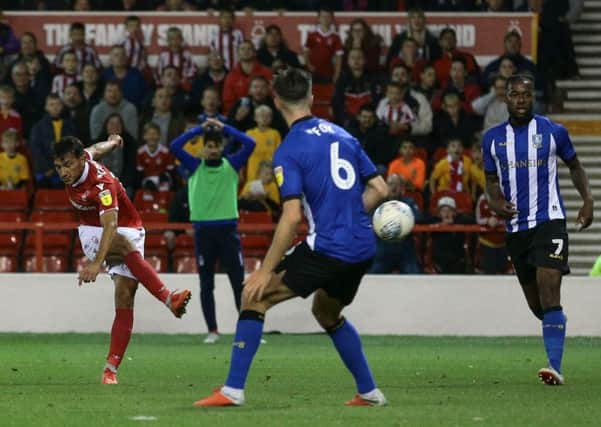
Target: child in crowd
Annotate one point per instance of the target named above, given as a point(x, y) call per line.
point(155, 162)
point(452, 172)
point(9, 117)
point(14, 169)
point(493, 255)
point(394, 112)
point(261, 194)
point(68, 75)
point(84, 53)
point(227, 39)
point(178, 55)
point(324, 50)
point(134, 43)
point(267, 141)
point(410, 168)
point(448, 254)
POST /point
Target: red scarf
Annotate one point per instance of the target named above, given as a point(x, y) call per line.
point(456, 174)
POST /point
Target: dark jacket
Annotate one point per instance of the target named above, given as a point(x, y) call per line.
point(380, 147)
point(41, 140)
point(284, 54)
point(431, 50)
point(351, 93)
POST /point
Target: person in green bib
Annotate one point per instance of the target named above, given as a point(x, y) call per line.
point(213, 201)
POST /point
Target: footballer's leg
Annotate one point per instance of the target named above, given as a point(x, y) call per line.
point(130, 248)
point(554, 323)
point(345, 337)
point(125, 291)
point(246, 342)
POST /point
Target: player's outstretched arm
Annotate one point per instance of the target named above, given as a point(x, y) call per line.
point(101, 148)
point(240, 157)
point(580, 180)
point(108, 221)
point(375, 192)
point(177, 148)
point(283, 237)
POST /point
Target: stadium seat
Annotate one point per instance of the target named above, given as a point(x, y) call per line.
point(255, 244)
point(8, 264)
point(50, 264)
point(155, 217)
point(421, 153)
point(12, 216)
point(51, 200)
point(14, 200)
point(462, 199)
point(10, 242)
point(251, 264)
point(322, 100)
point(158, 261)
point(155, 241)
point(153, 201)
point(53, 216)
point(323, 111)
point(248, 217)
point(52, 243)
point(184, 241)
point(184, 262)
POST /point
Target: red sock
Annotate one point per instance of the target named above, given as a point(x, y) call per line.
point(146, 275)
point(120, 335)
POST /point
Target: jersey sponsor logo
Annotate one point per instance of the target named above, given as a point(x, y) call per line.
point(279, 175)
point(106, 198)
point(537, 141)
point(528, 163)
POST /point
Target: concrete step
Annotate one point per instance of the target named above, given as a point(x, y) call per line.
point(592, 4)
point(583, 105)
point(590, 71)
point(586, 38)
point(584, 94)
point(581, 84)
point(587, 49)
point(587, 139)
point(590, 16)
point(586, 26)
point(588, 61)
point(565, 182)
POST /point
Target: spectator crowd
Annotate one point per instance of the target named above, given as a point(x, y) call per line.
point(418, 108)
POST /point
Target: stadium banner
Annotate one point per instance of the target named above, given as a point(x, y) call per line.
point(479, 33)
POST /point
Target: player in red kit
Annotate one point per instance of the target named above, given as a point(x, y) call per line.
point(110, 231)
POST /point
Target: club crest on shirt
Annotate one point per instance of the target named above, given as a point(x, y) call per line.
point(537, 141)
point(106, 198)
point(279, 175)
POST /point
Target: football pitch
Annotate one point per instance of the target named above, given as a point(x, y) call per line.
point(296, 380)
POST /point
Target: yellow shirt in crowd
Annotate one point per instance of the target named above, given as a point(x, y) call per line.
point(13, 170)
point(267, 142)
point(442, 174)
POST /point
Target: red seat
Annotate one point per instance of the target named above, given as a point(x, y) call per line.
point(184, 240)
point(51, 242)
point(255, 244)
point(50, 264)
point(323, 111)
point(421, 153)
point(251, 264)
point(14, 200)
point(53, 216)
point(184, 262)
point(155, 241)
point(248, 217)
point(10, 242)
point(154, 217)
point(323, 93)
point(463, 200)
point(8, 264)
point(158, 261)
point(51, 200)
point(12, 216)
point(153, 201)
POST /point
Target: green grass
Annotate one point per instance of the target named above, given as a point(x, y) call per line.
point(298, 380)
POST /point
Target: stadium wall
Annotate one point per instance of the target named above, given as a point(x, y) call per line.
point(398, 305)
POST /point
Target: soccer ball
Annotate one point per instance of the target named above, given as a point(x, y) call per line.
point(393, 220)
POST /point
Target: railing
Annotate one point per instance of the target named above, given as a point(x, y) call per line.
point(39, 228)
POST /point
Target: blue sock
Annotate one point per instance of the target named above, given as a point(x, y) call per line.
point(348, 343)
point(246, 342)
point(554, 334)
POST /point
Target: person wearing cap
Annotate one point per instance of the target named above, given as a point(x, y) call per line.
point(448, 255)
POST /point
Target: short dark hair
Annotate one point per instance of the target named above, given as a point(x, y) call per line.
point(519, 78)
point(367, 107)
point(292, 84)
point(213, 135)
point(77, 26)
point(261, 78)
point(396, 85)
point(53, 96)
point(447, 30)
point(512, 33)
point(132, 18)
point(68, 145)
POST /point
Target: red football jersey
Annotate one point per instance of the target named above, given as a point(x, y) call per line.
point(98, 191)
point(323, 47)
point(154, 164)
point(11, 121)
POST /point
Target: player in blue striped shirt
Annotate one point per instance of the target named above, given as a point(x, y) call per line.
point(520, 161)
point(322, 168)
